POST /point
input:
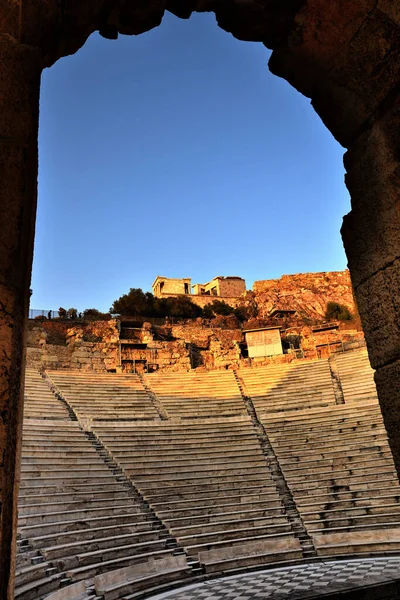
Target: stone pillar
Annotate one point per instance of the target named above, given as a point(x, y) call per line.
point(19, 109)
point(371, 235)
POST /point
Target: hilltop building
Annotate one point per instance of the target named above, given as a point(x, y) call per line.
point(164, 287)
point(224, 287)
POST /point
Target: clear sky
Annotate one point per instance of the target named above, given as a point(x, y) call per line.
point(177, 153)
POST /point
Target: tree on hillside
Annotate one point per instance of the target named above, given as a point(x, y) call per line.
point(144, 304)
point(72, 313)
point(182, 307)
point(337, 312)
point(62, 313)
point(92, 314)
point(217, 307)
point(244, 313)
point(135, 302)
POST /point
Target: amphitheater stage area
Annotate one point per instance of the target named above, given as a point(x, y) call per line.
point(367, 579)
point(263, 482)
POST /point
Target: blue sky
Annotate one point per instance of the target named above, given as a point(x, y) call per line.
point(177, 153)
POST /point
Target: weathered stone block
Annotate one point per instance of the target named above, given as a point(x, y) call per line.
point(387, 381)
point(371, 237)
point(380, 311)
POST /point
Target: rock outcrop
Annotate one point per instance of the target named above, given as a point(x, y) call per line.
point(307, 293)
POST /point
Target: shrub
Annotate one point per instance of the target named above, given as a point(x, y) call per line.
point(139, 303)
point(92, 314)
point(217, 307)
point(181, 307)
point(72, 313)
point(337, 312)
point(62, 313)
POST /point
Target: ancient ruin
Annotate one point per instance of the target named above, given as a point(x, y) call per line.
point(125, 344)
point(135, 482)
point(344, 55)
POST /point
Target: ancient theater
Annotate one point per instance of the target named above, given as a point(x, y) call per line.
point(212, 457)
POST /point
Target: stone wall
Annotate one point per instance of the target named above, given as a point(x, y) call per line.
point(88, 346)
point(95, 346)
point(210, 348)
point(171, 355)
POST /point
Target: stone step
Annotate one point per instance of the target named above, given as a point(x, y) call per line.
point(91, 570)
point(149, 530)
point(38, 588)
point(45, 528)
point(227, 529)
point(72, 554)
point(59, 516)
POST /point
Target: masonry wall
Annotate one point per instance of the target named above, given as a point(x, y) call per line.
point(94, 346)
point(90, 346)
point(210, 348)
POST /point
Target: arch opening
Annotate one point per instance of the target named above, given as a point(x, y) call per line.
point(351, 74)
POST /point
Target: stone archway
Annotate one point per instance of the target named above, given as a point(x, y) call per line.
point(344, 55)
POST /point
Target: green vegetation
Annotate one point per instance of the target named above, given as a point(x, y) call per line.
point(92, 314)
point(62, 313)
point(337, 312)
point(144, 304)
point(217, 307)
point(72, 313)
point(137, 303)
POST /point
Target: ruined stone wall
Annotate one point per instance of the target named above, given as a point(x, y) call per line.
point(210, 348)
point(94, 346)
point(307, 293)
point(167, 355)
point(89, 346)
point(182, 347)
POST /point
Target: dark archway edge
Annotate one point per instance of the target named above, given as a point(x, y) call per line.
point(343, 54)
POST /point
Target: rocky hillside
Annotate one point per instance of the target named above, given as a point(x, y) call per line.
point(308, 293)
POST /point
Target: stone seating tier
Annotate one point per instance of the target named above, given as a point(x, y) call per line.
point(191, 395)
point(288, 386)
point(355, 542)
point(76, 591)
point(140, 450)
point(78, 514)
point(202, 472)
point(250, 553)
point(39, 402)
point(105, 396)
point(334, 461)
point(356, 376)
point(133, 579)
